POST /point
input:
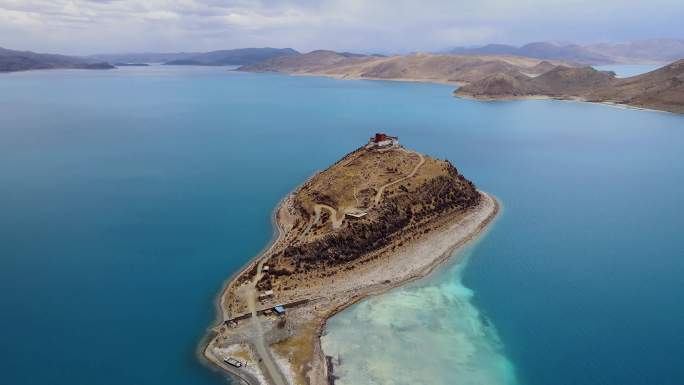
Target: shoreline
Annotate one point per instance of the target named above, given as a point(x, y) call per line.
point(562, 99)
point(220, 316)
point(471, 97)
point(449, 236)
point(352, 77)
point(441, 261)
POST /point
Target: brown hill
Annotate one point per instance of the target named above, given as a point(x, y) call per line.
point(662, 89)
point(364, 205)
point(379, 217)
point(304, 63)
point(419, 67)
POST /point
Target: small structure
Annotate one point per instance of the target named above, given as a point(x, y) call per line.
point(381, 140)
point(356, 214)
point(233, 362)
point(266, 294)
point(264, 268)
point(280, 309)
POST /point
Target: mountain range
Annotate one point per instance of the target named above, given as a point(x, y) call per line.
point(643, 52)
point(240, 56)
point(11, 60)
point(638, 52)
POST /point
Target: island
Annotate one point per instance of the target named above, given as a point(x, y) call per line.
point(380, 217)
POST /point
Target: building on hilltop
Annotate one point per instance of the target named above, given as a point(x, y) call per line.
point(382, 140)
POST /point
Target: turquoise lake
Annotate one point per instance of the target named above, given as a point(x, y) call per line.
point(127, 197)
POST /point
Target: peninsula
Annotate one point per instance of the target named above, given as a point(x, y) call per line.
point(661, 89)
point(490, 77)
point(379, 217)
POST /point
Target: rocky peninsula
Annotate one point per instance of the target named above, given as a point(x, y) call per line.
point(379, 217)
point(661, 89)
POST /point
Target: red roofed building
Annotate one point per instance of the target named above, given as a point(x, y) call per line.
point(382, 140)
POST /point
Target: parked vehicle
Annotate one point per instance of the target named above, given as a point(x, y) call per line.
point(233, 362)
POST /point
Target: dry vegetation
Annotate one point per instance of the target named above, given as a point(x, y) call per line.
point(313, 251)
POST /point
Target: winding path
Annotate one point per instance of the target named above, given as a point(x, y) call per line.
point(337, 217)
point(378, 196)
point(336, 222)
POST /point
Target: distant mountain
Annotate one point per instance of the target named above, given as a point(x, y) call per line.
point(11, 60)
point(143, 57)
point(640, 52)
point(645, 51)
point(489, 49)
point(19, 60)
point(242, 56)
point(131, 65)
point(312, 61)
point(419, 67)
point(662, 89)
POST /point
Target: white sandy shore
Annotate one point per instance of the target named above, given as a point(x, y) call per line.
point(414, 261)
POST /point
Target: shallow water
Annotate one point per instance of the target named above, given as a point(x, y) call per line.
point(429, 332)
point(128, 196)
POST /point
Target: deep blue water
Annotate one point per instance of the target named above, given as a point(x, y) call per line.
point(129, 196)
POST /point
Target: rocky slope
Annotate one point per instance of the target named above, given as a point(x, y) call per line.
point(405, 207)
point(379, 217)
point(662, 89)
point(324, 240)
point(419, 67)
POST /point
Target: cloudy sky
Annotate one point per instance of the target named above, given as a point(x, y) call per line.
point(386, 26)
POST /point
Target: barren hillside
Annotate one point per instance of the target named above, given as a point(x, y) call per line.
point(662, 89)
point(419, 67)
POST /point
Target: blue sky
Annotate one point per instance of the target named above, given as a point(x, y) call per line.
point(386, 26)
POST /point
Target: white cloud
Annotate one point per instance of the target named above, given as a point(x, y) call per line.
point(84, 26)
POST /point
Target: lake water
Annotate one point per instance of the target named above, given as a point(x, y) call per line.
point(627, 70)
point(129, 196)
